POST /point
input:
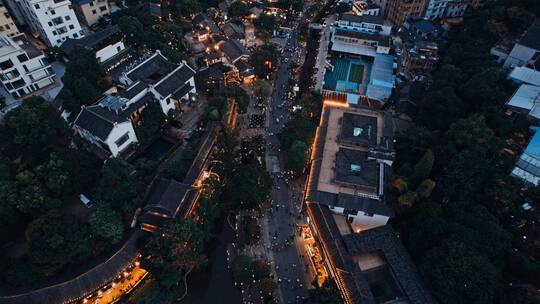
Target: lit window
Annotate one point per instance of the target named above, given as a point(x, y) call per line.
point(355, 169)
point(358, 131)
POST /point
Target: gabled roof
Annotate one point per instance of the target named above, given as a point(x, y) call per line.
point(89, 41)
point(174, 81)
point(152, 70)
point(180, 93)
point(167, 194)
point(133, 90)
point(531, 38)
point(98, 120)
point(233, 49)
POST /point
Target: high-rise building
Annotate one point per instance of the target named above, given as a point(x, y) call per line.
point(400, 10)
point(53, 21)
point(7, 26)
point(22, 67)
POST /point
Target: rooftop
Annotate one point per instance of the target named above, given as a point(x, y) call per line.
point(362, 18)
point(174, 81)
point(90, 41)
point(98, 120)
point(152, 70)
point(531, 38)
point(233, 49)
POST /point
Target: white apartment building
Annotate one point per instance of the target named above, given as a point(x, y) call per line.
point(7, 26)
point(22, 67)
point(90, 11)
point(54, 21)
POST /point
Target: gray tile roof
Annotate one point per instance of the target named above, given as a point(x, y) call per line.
point(133, 90)
point(98, 120)
point(152, 70)
point(180, 93)
point(90, 41)
point(367, 174)
point(358, 129)
point(531, 38)
point(363, 18)
point(385, 239)
point(175, 81)
point(233, 49)
point(167, 195)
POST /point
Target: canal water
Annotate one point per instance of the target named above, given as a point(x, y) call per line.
point(213, 283)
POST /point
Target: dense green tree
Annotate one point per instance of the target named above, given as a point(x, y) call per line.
point(325, 294)
point(56, 175)
point(249, 186)
point(298, 128)
point(152, 118)
point(30, 128)
point(242, 269)
point(106, 223)
point(238, 9)
point(264, 60)
point(55, 239)
point(261, 90)
point(239, 95)
point(423, 167)
point(296, 156)
point(457, 274)
point(185, 7)
point(343, 7)
point(32, 197)
point(266, 24)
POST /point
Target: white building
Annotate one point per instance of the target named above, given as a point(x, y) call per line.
point(436, 9)
point(22, 67)
point(54, 21)
point(106, 44)
point(7, 26)
point(526, 51)
point(169, 83)
point(90, 11)
point(365, 23)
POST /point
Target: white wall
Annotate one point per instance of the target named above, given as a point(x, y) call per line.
point(519, 56)
point(110, 51)
point(118, 131)
point(363, 222)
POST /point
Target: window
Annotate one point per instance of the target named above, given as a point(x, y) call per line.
point(54, 32)
point(22, 57)
point(25, 68)
point(49, 23)
point(58, 40)
point(355, 169)
point(36, 6)
point(1, 28)
point(94, 12)
point(6, 64)
point(102, 8)
point(118, 48)
point(53, 12)
point(92, 3)
point(71, 26)
point(67, 18)
point(358, 132)
point(7, 27)
point(120, 141)
point(75, 35)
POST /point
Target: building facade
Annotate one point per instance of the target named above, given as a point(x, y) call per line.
point(436, 9)
point(400, 10)
point(7, 26)
point(53, 21)
point(23, 69)
point(90, 11)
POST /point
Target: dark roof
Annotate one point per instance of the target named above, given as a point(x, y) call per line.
point(531, 38)
point(180, 93)
point(89, 41)
point(244, 68)
point(385, 41)
point(175, 81)
point(358, 129)
point(148, 97)
point(233, 49)
point(133, 90)
point(98, 120)
point(167, 195)
point(363, 18)
point(204, 20)
point(352, 202)
point(366, 173)
point(386, 240)
point(152, 70)
point(424, 26)
point(347, 271)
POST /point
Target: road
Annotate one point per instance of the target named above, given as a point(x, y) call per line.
point(280, 224)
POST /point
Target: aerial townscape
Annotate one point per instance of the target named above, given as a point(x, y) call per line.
point(270, 151)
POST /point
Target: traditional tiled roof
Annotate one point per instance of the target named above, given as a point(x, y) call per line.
point(174, 81)
point(98, 120)
point(89, 41)
point(362, 18)
point(152, 70)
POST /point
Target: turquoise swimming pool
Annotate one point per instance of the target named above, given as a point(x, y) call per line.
point(348, 75)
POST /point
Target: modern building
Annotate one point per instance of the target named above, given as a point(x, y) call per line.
point(7, 26)
point(351, 159)
point(23, 69)
point(401, 10)
point(526, 51)
point(525, 100)
point(420, 29)
point(90, 11)
point(525, 75)
point(420, 56)
point(456, 8)
point(106, 44)
point(436, 9)
point(54, 21)
point(527, 167)
point(368, 24)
